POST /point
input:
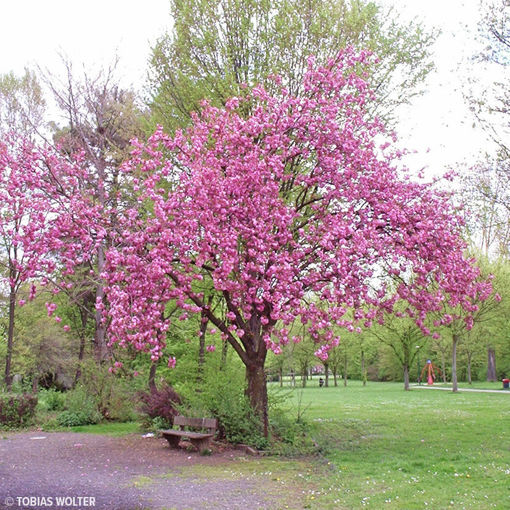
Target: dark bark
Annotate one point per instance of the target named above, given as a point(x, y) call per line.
point(10, 340)
point(469, 378)
point(335, 376)
point(455, 340)
point(326, 369)
point(81, 352)
point(256, 391)
point(345, 371)
point(224, 350)
point(304, 377)
point(152, 377)
point(406, 377)
point(201, 344)
point(363, 372)
point(491, 364)
point(100, 329)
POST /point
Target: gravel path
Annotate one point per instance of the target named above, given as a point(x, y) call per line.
point(117, 473)
point(472, 390)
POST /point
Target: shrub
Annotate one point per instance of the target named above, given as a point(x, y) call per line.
point(73, 419)
point(221, 395)
point(81, 404)
point(51, 400)
point(162, 404)
point(17, 410)
point(112, 394)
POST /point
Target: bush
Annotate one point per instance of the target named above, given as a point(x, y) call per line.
point(161, 405)
point(51, 400)
point(74, 419)
point(79, 406)
point(221, 395)
point(112, 394)
point(17, 410)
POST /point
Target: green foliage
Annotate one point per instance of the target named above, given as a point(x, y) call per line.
point(51, 400)
point(221, 395)
point(217, 45)
point(17, 410)
point(80, 408)
point(73, 419)
point(113, 395)
point(22, 103)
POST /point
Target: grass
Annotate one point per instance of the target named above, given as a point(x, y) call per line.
point(381, 447)
point(387, 448)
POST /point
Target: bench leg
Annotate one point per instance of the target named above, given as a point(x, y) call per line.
point(173, 441)
point(202, 444)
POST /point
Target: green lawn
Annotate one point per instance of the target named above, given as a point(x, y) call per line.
point(388, 448)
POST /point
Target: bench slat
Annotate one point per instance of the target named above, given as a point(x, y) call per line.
point(199, 423)
point(185, 433)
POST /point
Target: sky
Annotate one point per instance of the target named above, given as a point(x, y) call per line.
point(437, 125)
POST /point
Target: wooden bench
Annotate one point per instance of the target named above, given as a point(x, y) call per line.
point(201, 440)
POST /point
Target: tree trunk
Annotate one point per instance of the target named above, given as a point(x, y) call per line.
point(100, 328)
point(152, 377)
point(81, 351)
point(406, 378)
point(256, 391)
point(491, 364)
point(10, 340)
point(224, 350)
point(201, 344)
point(326, 369)
point(363, 373)
point(455, 340)
point(469, 356)
point(35, 384)
point(345, 371)
point(335, 378)
point(280, 376)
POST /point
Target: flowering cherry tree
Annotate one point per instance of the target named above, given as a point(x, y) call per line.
point(18, 210)
point(288, 208)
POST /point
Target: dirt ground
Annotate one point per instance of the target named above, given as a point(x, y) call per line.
point(123, 473)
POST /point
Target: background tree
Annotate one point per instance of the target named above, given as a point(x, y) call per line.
point(216, 46)
point(100, 119)
point(404, 338)
point(20, 210)
point(22, 104)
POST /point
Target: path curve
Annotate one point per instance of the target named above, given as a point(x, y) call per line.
point(472, 390)
point(116, 473)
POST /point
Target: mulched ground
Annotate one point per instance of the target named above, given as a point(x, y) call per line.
point(120, 473)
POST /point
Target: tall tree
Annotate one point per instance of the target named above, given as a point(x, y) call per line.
point(100, 119)
point(290, 205)
point(488, 186)
point(404, 338)
point(215, 47)
point(21, 209)
point(22, 104)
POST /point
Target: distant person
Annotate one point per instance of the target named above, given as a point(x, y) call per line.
point(321, 382)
